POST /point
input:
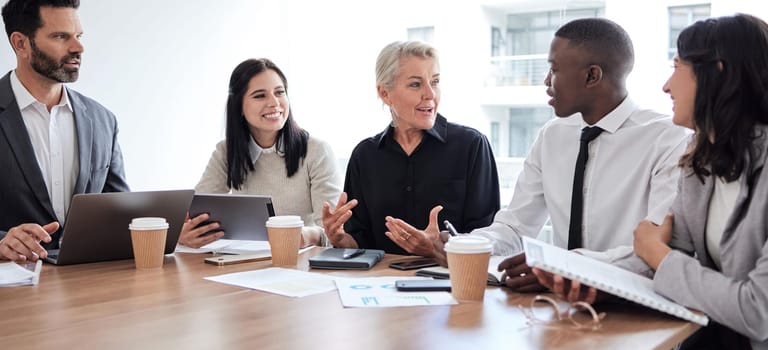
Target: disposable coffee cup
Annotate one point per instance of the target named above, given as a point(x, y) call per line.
point(468, 258)
point(148, 240)
point(284, 239)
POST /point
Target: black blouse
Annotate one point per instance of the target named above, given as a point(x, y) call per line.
point(453, 166)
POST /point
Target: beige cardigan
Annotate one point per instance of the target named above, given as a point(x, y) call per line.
point(303, 194)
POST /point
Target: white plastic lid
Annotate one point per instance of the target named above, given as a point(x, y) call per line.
point(468, 245)
point(285, 221)
point(148, 223)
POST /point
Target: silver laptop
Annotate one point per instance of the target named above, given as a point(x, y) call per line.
point(241, 217)
point(97, 224)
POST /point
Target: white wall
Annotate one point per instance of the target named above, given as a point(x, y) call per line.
point(163, 67)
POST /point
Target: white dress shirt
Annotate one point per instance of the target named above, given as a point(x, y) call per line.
point(631, 175)
point(54, 140)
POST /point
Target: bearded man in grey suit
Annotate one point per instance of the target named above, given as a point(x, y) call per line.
point(54, 142)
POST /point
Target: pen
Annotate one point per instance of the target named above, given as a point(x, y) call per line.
point(352, 254)
point(451, 229)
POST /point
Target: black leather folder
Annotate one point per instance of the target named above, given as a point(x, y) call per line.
point(334, 258)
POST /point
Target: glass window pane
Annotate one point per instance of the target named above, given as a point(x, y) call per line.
point(425, 34)
point(495, 137)
point(541, 41)
point(539, 20)
point(524, 125)
point(681, 17)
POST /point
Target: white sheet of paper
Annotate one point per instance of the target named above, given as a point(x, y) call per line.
point(244, 247)
point(229, 246)
point(13, 274)
point(287, 282)
point(381, 292)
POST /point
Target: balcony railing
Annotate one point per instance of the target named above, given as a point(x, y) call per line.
point(521, 70)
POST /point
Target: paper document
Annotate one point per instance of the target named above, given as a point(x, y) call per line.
point(228, 246)
point(23, 274)
point(287, 282)
point(381, 292)
point(603, 276)
point(231, 246)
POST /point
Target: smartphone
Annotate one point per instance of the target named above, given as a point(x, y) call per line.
point(423, 285)
point(222, 260)
point(414, 264)
point(206, 222)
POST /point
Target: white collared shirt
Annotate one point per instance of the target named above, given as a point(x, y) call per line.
point(631, 175)
point(256, 150)
point(53, 137)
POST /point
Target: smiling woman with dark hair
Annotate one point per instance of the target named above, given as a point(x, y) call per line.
point(712, 252)
point(267, 153)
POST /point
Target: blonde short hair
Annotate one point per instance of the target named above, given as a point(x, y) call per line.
point(388, 62)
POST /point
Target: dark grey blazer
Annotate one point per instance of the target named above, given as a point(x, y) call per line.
point(23, 194)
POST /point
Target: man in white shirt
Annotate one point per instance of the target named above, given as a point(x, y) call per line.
point(631, 173)
point(54, 142)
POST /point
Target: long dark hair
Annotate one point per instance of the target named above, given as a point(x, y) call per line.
point(729, 56)
point(291, 136)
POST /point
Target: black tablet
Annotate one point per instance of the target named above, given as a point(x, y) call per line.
point(241, 217)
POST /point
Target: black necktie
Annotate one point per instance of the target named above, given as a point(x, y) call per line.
point(574, 229)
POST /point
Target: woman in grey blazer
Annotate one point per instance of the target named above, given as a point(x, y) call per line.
point(710, 253)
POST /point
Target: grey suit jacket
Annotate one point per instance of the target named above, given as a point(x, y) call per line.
point(23, 194)
point(737, 295)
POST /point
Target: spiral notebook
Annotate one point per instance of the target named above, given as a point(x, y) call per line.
point(603, 276)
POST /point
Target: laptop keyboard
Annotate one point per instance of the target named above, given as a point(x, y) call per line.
point(53, 254)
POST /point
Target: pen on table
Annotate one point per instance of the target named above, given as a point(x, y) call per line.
point(352, 254)
point(451, 229)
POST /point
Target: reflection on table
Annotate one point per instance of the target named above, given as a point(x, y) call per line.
point(113, 305)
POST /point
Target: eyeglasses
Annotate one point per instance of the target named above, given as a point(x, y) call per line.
point(592, 324)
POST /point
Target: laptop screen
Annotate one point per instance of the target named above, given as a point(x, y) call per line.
point(97, 223)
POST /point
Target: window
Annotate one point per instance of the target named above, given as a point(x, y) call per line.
point(524, 125)
point(519, 57)
point(495, 141)
point(497, 42)
point(425, 34)
point(681, 17)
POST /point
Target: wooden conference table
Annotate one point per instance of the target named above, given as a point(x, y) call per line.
point(112, 305)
